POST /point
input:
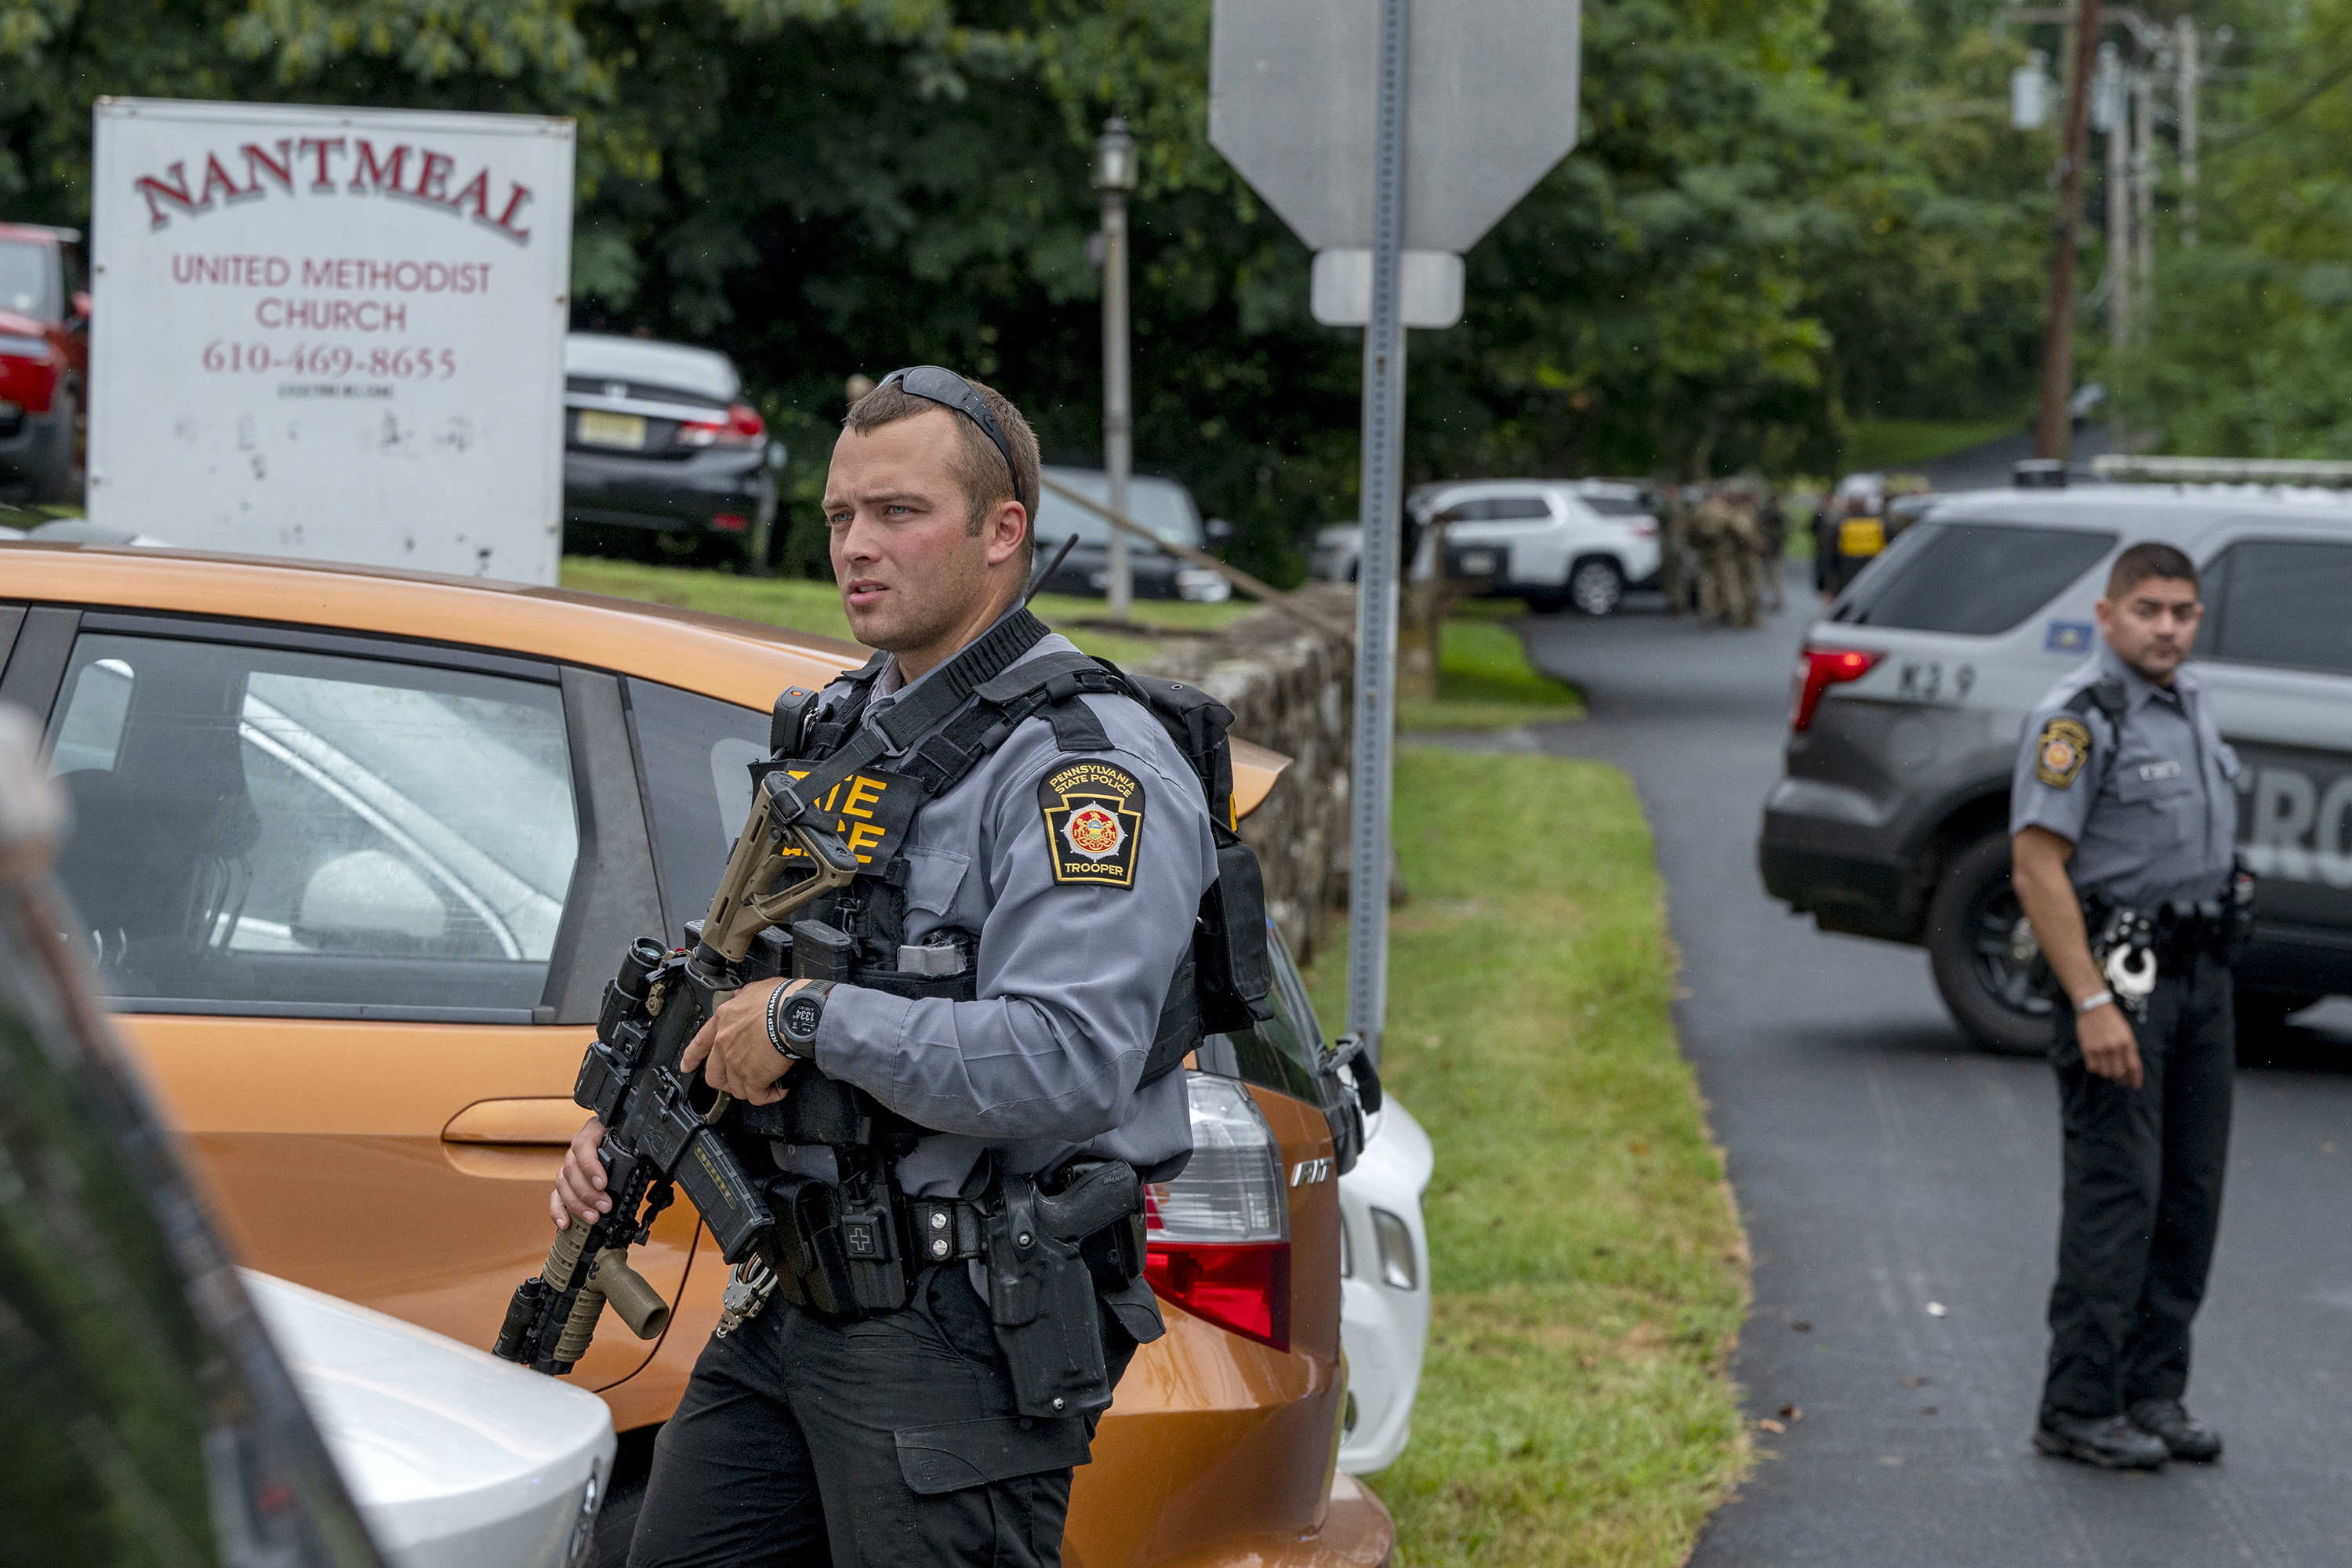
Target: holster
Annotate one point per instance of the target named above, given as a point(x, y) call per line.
point(1043, 1252)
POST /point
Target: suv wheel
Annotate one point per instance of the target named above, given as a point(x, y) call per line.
point(1596, 586)
point(1985, 961)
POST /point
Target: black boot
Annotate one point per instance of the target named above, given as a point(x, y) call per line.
point(2182, 1434)
point(2111, 1441)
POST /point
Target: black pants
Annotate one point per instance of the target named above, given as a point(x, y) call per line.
point(2143, 1198)
point(893, 1440)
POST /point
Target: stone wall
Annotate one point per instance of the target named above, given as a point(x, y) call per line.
point(1292, 689)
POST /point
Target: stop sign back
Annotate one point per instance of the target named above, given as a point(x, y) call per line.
point(1490, 100)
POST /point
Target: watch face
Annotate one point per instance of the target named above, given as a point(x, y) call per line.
point(800, 1016)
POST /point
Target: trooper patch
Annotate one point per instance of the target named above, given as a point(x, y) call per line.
point(2059, 756)
point(1094, 818)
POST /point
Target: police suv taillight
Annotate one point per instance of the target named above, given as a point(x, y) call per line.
point(1218, 1237)
point(1818, 670)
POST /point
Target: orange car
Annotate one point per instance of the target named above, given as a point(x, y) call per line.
point(357, 852)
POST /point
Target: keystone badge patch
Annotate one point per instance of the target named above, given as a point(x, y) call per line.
point(2059, 756)
point(1094, 818)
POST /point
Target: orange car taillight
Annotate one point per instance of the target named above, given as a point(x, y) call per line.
point(1218, 1237)
point(1818, 670)
point(741, 427)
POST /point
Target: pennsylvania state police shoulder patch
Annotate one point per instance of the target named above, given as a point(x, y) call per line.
point(1093, 818)
point(2060, 753)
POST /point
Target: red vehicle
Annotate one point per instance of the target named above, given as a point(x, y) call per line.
point(44, 362)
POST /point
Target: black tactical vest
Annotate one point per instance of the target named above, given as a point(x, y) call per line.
point(857, 935)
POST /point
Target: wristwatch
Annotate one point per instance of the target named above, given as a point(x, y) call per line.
point(793, 1016)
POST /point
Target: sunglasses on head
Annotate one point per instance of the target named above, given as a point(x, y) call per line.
point(948, 390)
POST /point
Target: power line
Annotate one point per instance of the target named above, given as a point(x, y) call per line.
point(2223, 142)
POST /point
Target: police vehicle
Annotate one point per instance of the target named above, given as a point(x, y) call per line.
point(1893, 818)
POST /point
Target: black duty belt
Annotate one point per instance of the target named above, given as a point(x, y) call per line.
point(942, 1230)
point(2178, 928)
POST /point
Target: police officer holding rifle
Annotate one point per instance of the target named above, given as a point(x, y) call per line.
point(965, 1065)
point(2122, 814)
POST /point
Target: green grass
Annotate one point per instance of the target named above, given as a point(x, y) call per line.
point(1587, 1267)
point(806, 607)
point(803, 606)
point(1906, 443)
point(1487, 682)
point(1484, 682)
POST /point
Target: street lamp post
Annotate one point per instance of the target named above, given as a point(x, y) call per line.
point(1113, 176)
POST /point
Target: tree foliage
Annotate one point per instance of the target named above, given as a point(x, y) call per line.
point(1741, 255)
point(2248, 351)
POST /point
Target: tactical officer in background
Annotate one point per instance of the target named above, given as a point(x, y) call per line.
point(1729, 540)
point(1675, 574)
point(1047, 894)
point(2123, 812)
point(1773, 522)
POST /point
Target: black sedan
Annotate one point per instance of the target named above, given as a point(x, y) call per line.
point(657, 437)
point(1164, 506)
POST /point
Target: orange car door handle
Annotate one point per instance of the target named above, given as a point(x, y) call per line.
point(515, 1122)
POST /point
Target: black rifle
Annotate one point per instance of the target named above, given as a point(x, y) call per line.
point(660, 1122)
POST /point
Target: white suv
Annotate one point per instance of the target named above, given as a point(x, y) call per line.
point(1553, 542)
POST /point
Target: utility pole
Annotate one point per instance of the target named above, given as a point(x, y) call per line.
point(1113, 176)
point(2185, 31)
point(2144, 190)
point(2114, 120)
point(2052, 431)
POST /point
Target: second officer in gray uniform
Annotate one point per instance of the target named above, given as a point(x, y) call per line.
point(2123, 810)
point(1007, 990)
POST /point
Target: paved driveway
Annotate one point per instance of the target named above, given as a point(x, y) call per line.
point(1900, 1192)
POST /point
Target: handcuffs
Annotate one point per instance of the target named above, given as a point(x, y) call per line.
point(2125, 953)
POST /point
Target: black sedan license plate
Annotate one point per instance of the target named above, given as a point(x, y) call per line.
point(623, 432)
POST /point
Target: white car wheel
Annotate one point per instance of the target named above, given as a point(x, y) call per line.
point(1596, 588)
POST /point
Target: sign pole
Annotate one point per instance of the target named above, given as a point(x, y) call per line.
point(1381, 569)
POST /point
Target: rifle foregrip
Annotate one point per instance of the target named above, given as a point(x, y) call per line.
point(563, 1265)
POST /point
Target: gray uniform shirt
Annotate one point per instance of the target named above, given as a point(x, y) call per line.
point(1071, 976)
point(2151, 811)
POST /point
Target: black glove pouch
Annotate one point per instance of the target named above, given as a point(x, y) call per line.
point(813, 1267)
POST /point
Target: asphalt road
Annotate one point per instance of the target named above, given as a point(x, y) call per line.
point(1900, 1192)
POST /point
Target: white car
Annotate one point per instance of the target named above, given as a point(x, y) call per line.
point(1553, 542)
point(1384, 1288)
point(1338, 546)
point(456, 1459)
